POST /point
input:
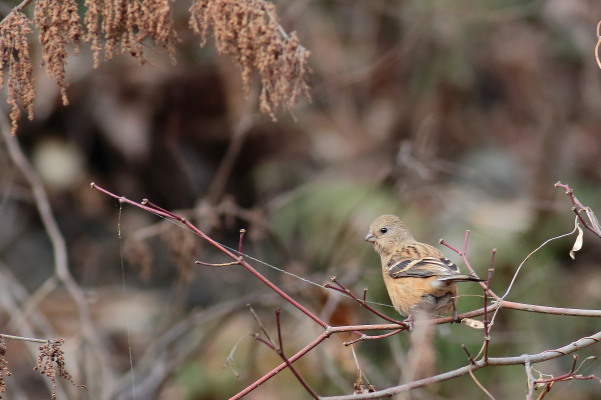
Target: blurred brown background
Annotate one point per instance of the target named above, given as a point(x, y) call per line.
point(454, 115)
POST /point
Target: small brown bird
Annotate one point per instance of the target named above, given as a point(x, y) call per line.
point(417, 275)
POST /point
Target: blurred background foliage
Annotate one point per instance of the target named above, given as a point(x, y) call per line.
point(454, 115)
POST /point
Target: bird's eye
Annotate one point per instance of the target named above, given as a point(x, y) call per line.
point(383, 230)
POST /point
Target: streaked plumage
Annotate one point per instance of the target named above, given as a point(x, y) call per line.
point(417, 275)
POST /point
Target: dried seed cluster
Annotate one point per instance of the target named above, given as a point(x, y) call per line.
point(124, 25)
point(250, 32)
point(15, 56)
point(3, 366)
point(52, 360)
point(58, 23)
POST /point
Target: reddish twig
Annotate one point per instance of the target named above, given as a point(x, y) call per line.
point(279, 349)
point(567, 376)
point(314, 343)
point(157, 208)
point(479, 364)
point(168, 215)
point(340, 329)
point(469, 356)
point(258, 321)
point(393, 326)
point(593, 223)
point(363, 303)
point(240, 240)
point(462, 253)
point(465, 240)
point(485, 321)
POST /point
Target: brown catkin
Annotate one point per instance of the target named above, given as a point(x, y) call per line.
point(125, 26)
point(14, 54)
point(250, 32)
point(58, 24)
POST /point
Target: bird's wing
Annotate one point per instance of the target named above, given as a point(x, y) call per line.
point(422, 268)
point(420, 260)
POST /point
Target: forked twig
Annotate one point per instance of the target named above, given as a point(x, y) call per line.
point(485, 320)
point(469, 356)
point(362, 302)
point(394, 325)
point(479, 364)
point(363, 336)
point(567, 376)
point(593, 223)
point(279, 349)
point(171, 216)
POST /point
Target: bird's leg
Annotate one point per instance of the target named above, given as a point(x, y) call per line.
point(456, 318)
point(409, 322)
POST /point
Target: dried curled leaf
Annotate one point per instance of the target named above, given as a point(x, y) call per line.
point(473, 323)
point(578, 243)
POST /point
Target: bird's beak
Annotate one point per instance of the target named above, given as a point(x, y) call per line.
point(370, 238)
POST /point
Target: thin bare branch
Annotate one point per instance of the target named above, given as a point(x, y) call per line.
point(593, 223)
point(375, 337)
point(467, 353)
point(393, 326)
point(485, 321)
point(477, 382)
point(17, 9)
point(221, 248)
point(279, 349)
point(493, 361)
point(24, 339)
point(59, 247)
point(342, 289)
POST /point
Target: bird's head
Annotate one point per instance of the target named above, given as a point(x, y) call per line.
point(386, 232)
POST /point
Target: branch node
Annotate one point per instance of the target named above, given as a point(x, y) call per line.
point(469, 356)
point(242, 232)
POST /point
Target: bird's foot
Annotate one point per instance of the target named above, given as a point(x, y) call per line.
point(409, 322)
point(456, 318)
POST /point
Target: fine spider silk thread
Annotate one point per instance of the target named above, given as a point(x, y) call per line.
point(273, 266)
point(124, 288)
point(291, 274)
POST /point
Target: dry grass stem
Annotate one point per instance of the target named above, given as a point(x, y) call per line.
point(250, 32)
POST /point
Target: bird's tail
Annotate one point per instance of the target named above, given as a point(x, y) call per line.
point(460, 278)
